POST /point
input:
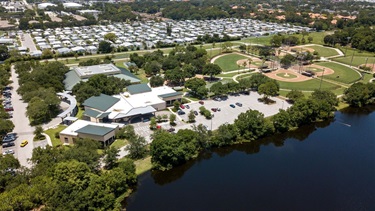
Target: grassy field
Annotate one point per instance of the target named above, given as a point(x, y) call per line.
point(309, 85)
point(119, 143)
point(342, 73)
point(357, 60)
point(284, 93)
point(141, 166)
point(51, 133)
point(318, 37)
point(229, 62)
point(323, 51)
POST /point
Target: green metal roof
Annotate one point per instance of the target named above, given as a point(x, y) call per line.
point(102, 102)
point(71, 79)
point(91, 113)
point(102, 115)
point(170, 94)
point(95, 130)
point(138, 88)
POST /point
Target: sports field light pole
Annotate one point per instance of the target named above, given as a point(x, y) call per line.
point(321, 80)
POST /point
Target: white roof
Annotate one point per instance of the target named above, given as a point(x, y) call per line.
point(44, 5)
point(71, 4)
point(71, 129)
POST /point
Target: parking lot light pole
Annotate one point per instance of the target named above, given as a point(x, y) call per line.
point(321, 79)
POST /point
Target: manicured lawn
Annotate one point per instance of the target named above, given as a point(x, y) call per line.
point(323, 51)
point(318, 37)
point(229, 62)
point(284, 93)
point(51, 133)
point(258, 40)
point(342, 73)
point(141, 166)
point(357, 60)
point(119, 143)
point(309, 85)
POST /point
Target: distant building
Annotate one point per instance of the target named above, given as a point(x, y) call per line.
point(43, 6)
point(72, 5)
point(83, 73)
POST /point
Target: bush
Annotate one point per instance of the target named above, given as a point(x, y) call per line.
point(57, 135)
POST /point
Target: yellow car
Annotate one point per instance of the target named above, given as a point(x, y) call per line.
point(24, 143)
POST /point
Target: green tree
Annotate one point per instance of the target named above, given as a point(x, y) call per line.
point(295, 95)
point(359, 94)
point(4, 53)
point(153, 123)
point(191, 116)
point(172, 119)
point(218, 89)
point(137, 147)
point(110, 157)
point(37, 111)
point(111, 37)
point(156, 81)
point(226, 134)
point(152, 68)
point(194, 84)
point(6, 126)
point(281, 121)
point(287, 60)
point(105, 47)
point(252, 125)
point(269, 88)
point(211, 69)
point(38, 132)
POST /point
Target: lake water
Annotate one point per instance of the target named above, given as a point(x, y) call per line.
point(326, 166)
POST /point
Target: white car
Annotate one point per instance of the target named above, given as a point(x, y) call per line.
point(9, 151)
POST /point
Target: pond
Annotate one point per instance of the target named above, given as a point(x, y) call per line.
point(325, 166)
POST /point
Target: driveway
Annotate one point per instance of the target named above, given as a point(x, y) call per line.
point(28, 42)
point(22, 125)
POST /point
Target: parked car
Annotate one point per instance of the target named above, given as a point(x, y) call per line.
point(171, 129)
point(201, 102)
point(217, 99)
point(182, 106)
point(24, 143)
point(8, 139)
point(9, 151)
point(239, 104)
point(9, 144)
point(214, 109)
point(232, 105)
point(8, 108)
point(10, 114)
point(180, 112)
point(145, 120)
point(187, 106)
point(196, 113)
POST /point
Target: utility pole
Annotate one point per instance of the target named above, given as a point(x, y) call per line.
point(321, 80)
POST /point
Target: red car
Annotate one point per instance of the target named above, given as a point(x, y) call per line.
point(201, 102)
point(182, 106)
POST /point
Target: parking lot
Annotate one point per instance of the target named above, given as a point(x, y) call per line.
point(227, 114)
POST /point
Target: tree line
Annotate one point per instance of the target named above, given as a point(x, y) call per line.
point(169, 150)
point(39, 84)
point(66, 178)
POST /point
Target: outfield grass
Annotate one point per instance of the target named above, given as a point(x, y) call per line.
point(357, 60)
point(229, 62)
point(309, 85)
point(51, 133)
point(323, 51)
point(342, 73)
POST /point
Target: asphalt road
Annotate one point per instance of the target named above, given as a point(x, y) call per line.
point(28, 42)
point(22, 125)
